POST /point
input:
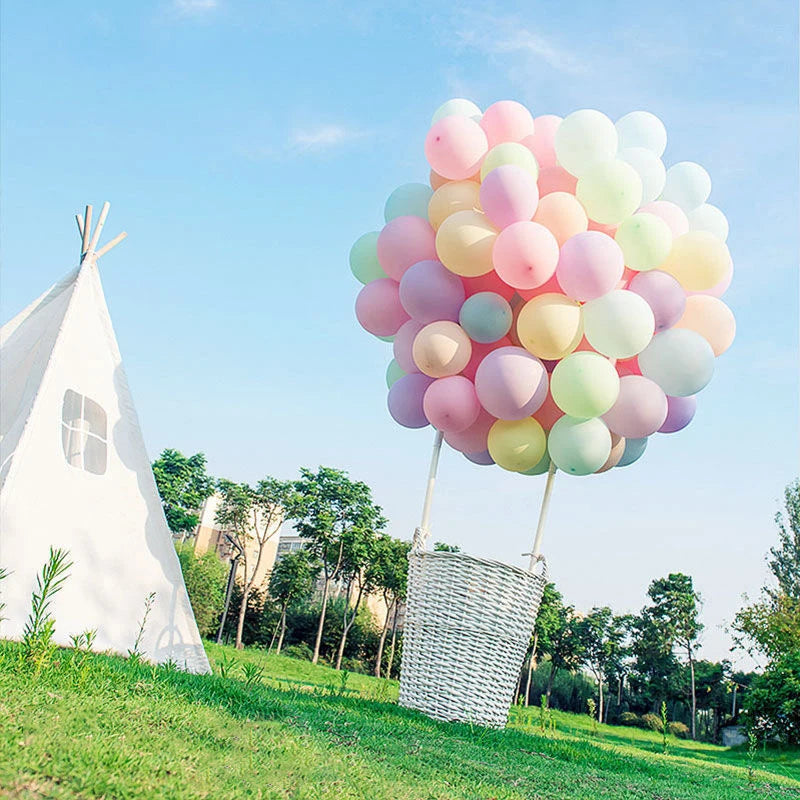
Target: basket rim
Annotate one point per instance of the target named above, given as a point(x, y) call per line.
point(491, 562)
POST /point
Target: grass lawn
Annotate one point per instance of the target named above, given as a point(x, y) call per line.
point(93, 726)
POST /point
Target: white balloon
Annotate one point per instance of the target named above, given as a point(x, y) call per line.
point(458, 106)
point(585, 138)
point(680, 361)
point(619, 324)
point(642, 129)
point(651, 170)
point(688, 185)
point(709, 218)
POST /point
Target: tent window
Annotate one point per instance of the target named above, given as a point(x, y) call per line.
point(84, 435)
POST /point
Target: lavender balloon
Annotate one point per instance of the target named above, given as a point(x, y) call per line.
point(511, 383)
point(509, 194)
point(430, 292)
point(483, 459)
point(640, 409)
point(680, 412)
point(406, 398)
point(663, 294)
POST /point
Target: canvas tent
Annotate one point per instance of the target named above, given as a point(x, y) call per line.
point(74, 474)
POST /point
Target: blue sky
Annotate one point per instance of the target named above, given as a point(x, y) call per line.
point(245, 145)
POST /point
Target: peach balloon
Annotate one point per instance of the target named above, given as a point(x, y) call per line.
point(464, 242)
point(673, 215)
point(562, 215)
point(441, 349)
point(556, 179)
point(436, 180)
point(548, 413)
point(542, 142)
point(712, 319)
point(550, 326)
point(617, 451)
point(506, 121)
point(719, 289)
point(455, 147)
point(451, 197)
point(525, 255)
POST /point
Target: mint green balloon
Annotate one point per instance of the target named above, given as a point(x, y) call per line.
point(408, 200)
point(364, 258)
point(579, 446)
point(510, 153)
point(389, 339)
point(584, 385)
point(645, 240)
point(609, 191)
point(458, 106)
point(542, 467)
point(393, 373)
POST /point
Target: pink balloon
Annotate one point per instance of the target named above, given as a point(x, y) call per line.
point(548, 413)
point(663, 294)
point(626, 366)
point(590, 265)
point(525, 255)
point(455, 147)
point(511, 383)
point(673, 215)
point(509, 194)
point(680, 412)
point(490, 282)
point(406, 400)
point(378, 307)
point(506, 121)
point(479, 352)
point(450, 404)
point(722, 286)
point(404, 343)
point(542, 142)
point(474, 438)
point(640, 410)
point(430, 292)
point(549, 287)
point(556, 179)
point(405, 241)
point(483, 459)
point(609, 230)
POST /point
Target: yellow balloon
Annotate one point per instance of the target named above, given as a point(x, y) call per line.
point(464, 243)
point(609, 191)
point(441, 349)
point(712, 319)
point(452, 197)
point(510, 153)
point(698, 260)
point(550, 326)
point(517, 445)
point(562, 215)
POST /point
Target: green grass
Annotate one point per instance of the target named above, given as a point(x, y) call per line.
point(93, 726)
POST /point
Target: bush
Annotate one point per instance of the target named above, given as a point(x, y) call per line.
point(629, 718)
point(678, 729)
point(205, 578)
point(652, 722)
point(773, 702)
point(300, 650)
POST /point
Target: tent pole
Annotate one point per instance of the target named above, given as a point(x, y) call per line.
point(113, 243)
point(537, 542)
point(79, 220)
point(87, 227)
point(421, 534)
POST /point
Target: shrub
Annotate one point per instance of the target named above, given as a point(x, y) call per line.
point(652, 722)
point(678, 729)
point(300, 650)
point(629, 718)
point(205, 579)
point(773, 702)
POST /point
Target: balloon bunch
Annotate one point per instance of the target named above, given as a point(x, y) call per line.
point(553, 294)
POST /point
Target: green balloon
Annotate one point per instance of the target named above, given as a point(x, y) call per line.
point(389, 339)
point(408, 200)
point(364, 258)
point(542, 467)
point(510, 153)
point(579, 446)
point(645, 240)
point(584, 385)
point(393, 373)
point(610, 191)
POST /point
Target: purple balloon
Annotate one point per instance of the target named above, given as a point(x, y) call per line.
point(511, 383)
point(509, 194)
point(640, 409)
point(429, 292)
point(484, 459)
point(680, 412)
point(405, 400)
point(403, 345)
point(663, 294)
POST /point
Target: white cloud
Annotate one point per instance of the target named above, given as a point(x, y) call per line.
point(192, 8)
point(323, 137)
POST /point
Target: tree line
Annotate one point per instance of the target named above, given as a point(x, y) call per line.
point(628, 665)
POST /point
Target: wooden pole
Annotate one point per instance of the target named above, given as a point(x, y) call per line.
point(426, 506)
point(113, 243)
point(537, 542)
point(87, 226)
point(99, 228)
point(79, 220)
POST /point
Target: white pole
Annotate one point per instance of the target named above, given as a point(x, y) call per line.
point(537, 542)
point(113, 243)
point(99, 227)
point(87, 227)
point(422, 531)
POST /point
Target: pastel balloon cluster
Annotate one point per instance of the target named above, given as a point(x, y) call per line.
point(553, 293)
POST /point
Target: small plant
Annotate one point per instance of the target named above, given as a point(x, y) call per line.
point(543, 711)
point(225, 665)
point(252, 674)
point(300, 650)
point(664, 727)
point(37, 637)
point(148, 607)
point(752, 751)
point(84, 640)
point(592, 710)
point(343, 683)
point(3, 574)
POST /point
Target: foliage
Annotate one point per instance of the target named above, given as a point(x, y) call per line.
point(785, 558)
point(205, 577)
point(300, 650)
point(443, 547)
point(3, 575)
point(629, 718)
point(678, 729)
point(601, 635)
point(770, 626)
point(652, 722)
point(773, 702)
point(184, 485)
point(293, 576)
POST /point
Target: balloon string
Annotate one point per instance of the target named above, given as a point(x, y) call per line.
point(422, 532)
point(537, 542)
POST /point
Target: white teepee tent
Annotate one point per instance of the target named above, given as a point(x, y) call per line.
point(74, 474)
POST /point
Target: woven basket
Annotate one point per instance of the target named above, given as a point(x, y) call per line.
point(468, 626)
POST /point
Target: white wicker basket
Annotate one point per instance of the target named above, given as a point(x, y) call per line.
point(468, 625)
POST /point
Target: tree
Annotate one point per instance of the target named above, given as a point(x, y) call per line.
point(327, 505)
point(183, 485)
point(601, 635)
point(251, 516)
point(655, 671)
point(773, 701)
point(675, 610)
point(546, 621)
point(292, 579)
point(785, 558)
point(204, 577)
point(390, 565)
point(443, 547)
